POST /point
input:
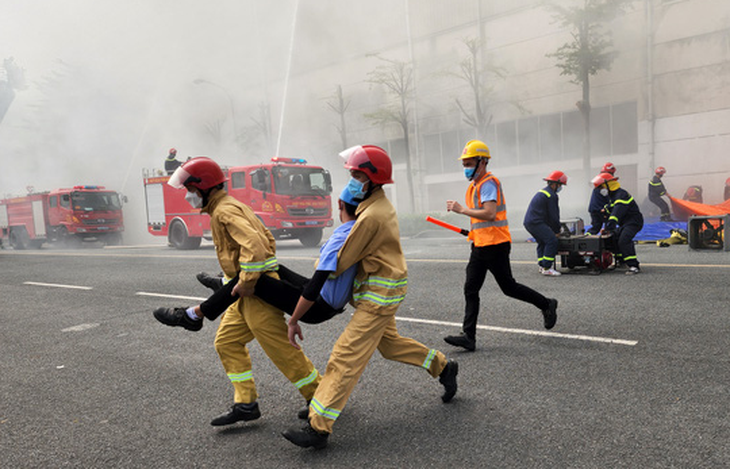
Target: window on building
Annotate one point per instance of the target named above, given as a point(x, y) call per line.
point(528, 140)
point(624, 121)
point(601, 131)
point(572, 135)
point(398, 151)
point(432, 153)
point(507, 143)
point(451, 147)
point(551, 141)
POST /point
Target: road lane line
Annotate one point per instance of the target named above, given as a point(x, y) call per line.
point(558, 335)
point(176, 297)
point(57, 285)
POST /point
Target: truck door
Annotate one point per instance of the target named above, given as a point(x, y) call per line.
point(39, 221)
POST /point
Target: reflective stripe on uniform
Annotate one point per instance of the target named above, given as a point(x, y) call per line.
point(240, 377)
point(331, 414)
point(308, 380)
point(546, 193)
point(383, 282)
point(264, 266)
point(378, 299)
point(489, 224)
point(629, 258)
point(429, 359)
point(625, 202)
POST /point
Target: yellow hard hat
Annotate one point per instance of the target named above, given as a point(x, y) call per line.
point(475, 149)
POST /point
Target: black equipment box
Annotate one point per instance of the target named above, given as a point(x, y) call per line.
point(708, 232)
point(592, 251)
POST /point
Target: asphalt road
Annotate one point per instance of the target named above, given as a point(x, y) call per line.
point(635, 373)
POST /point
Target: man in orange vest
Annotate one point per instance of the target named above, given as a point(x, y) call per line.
point(491, 245)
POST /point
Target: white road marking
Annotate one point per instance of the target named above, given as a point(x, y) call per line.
point(57, 285)
point(81, 327)
point(558, 335)
point(177, 297)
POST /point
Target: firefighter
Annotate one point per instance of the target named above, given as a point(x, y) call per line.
point(597, 205)
point(624, 221)
point(726, 195)
point(380, 287)
point(542, 221)
point(491, 245)
point(656, 191)
point(171, 162)
point(244, 246)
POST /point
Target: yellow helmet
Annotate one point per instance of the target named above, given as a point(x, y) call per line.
point(475, 149)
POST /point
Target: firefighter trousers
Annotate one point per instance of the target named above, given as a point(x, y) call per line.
point(547, 244)
point(250, 318)
point(364, 333)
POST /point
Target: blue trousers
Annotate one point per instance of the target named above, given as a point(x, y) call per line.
point(547, 243)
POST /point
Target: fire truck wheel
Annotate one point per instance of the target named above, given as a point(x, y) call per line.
point(113, 239)
point(19, 238)
point(178, 237)
point(310, 238)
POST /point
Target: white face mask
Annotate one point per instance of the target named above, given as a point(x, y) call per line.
point(194, 199)
point(604, 192)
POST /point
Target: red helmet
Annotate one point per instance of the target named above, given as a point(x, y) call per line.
point(371, 160)
point(603, 178)
point(173, 151)
point(609, 168)
point(200, 172)
point(660, 171)
point(727, 182)
point(557, 176)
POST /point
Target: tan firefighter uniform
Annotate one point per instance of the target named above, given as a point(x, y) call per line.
point(243, 243)
point(380, 287)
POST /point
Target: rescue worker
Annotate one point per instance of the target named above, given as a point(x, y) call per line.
point(171, 162)
point(244, 246)
point(624, 221)
point(597, 206)
point(542, 221)
point(491, 245)
point(380, 287)
point(726, 195)
point(656, 191)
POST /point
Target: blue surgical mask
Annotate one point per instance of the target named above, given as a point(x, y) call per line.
point(356, 188)
point(194, 199)
point(469, 172)
point(559, 189)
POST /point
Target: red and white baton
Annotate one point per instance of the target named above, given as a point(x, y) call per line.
point(448, 226)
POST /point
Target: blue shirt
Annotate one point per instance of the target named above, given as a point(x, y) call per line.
point(336, 291)
point(488, 191)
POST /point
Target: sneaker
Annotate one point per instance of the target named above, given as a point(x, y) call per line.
point(448, 379)
point(213, 282)
point(633, 270)
point(303, 413)
point(177, 317)
point(540, 269)
point(461, 340)
point(237, 413)
point(550, 314)
point(306, 437)
point(551, 272)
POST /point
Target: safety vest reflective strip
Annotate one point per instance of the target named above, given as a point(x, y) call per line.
point(331, 414)
point(429, 359)
point(486, 233)
point(380, 282)
point(655, 183)
point(170, 158)
point(269, 264)
point(383, 282)
point(308, 380)
point(240, 377)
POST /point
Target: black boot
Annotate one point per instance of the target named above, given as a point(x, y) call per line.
point(306, 437)
point(213, 282)
point(303, 413)
point(462, 340)
point(177, 317)
point(550, 314)
point(237, 413)
point(448, 379)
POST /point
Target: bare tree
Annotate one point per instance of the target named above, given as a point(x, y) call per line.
point(397, 78)
point(14, 80)
point(338, 104)
point(476, 75)
point(587, 53)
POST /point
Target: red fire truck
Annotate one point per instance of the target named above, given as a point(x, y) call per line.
point(291, 197)
point(62, 215)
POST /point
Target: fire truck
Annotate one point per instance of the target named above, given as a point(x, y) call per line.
point(290, 197)
point(68, 216)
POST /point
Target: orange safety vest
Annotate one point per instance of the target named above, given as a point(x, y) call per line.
point(483, 232)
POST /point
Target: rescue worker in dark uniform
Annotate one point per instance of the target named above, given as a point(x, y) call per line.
point(599, 202)
point(171, 162)
point(726, 195)
point(656, 191)
point(542, 221)
point(491, 245)
point(624, 221)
